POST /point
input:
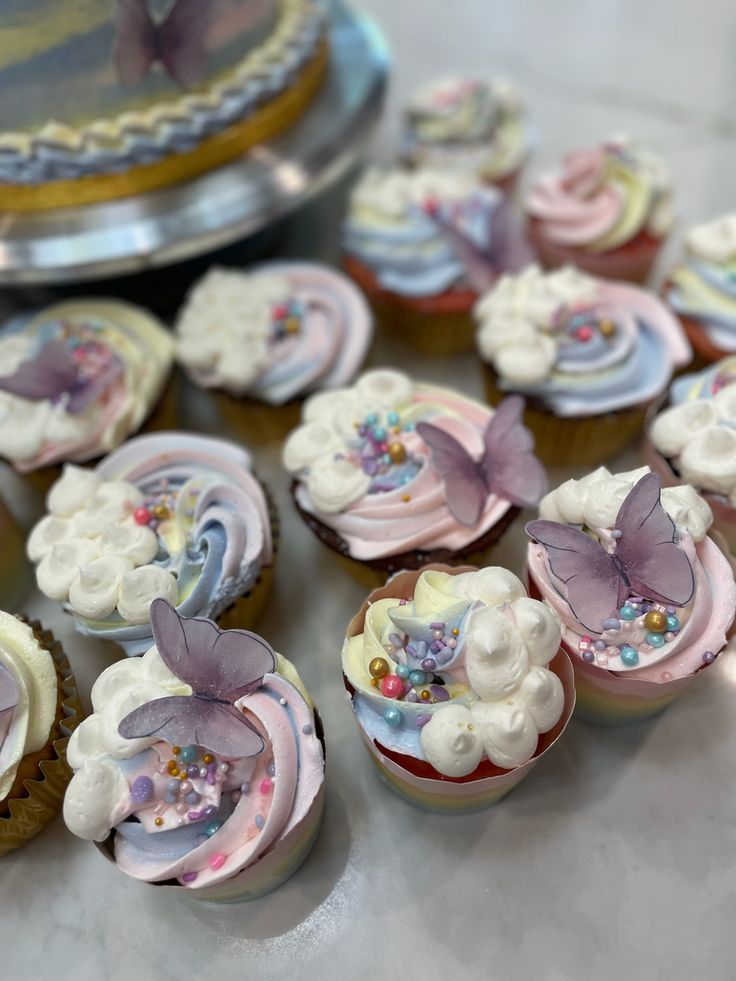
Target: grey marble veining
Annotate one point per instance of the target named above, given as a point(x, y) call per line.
point(614, 859)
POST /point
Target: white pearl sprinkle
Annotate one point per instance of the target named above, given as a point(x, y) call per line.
point(282, 701)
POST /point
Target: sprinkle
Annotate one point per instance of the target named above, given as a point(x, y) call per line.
point(271, 769)
point(439, 625)
point(282, 701)
point(616, 533)
point(709, 657)
point(439, 692)
point(259, 821)
point(245, 788)
point(217, 861)
point(422, 720)
point(158, 822)
point(195, 815)
point(266, 785)
point(307, 729)
point(142, 790)
point(406, 498)
point(189, 877)
point(454, 631)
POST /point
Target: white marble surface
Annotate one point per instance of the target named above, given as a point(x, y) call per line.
point(615, 858)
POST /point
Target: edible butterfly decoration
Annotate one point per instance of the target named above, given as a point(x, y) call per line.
point(507, 468)
point(176, 43)
point(53, 373)
point(221, 666)
point(647, 561)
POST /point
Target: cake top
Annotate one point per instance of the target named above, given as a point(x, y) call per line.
point(199, 756)
point(580, 344)
point(275, 333)
point(392, 465)
point(28, 697)
point(451, 667)
point(604, 197)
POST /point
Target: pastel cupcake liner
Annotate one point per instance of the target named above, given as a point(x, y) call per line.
point(270, 870)
point(15, 570)
point(257, 423)
point(441, 794)
point(38, 791)
point(586, 441)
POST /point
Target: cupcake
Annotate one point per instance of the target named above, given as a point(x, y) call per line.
point(78, 378)
point(168, 515)
point(608, 211)
point(202, 765)
point(693, 439)
point(588, 355)
point(470, 126)
point(39, 709)
point(457, 683)
point(423, 245)
point(702, 290)
point(644, 596)
point(15, 572)
point(267, 337)
point(391, 473)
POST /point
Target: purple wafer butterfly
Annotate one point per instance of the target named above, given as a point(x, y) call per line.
point(508, 466)
point(221, 666)
point(53, 373)
point(647, 561)
point(176, 43)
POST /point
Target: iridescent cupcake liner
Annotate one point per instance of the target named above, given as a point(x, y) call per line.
point(441, 794)
point(586, 441)
point(37, 794)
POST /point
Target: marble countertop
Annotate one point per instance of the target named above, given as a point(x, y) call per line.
point(615, 857)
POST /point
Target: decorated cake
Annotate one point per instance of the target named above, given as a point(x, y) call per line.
point(104, 98)
point(202, 765)
point(457, 684)
point(645, 597)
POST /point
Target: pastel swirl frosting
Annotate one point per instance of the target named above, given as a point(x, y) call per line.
point(186, 812)
point(424, 232)
point(604, 197)
point(697, 431)
point(704, 286)
point(581, 345)
point(384, 502)
point(168, 515)
point(690, 636)
point(274, 333)
point(28, 697)
point(78, 378)
point(467, 124)
point(458, 674)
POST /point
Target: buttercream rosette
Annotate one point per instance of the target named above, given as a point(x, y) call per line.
point(202, 765)
point(645, 597)
point(608, 210)
point(702, 289)
point(578, 347)
point(457, 684)
point(39, 709)
point(168, 515)
point(693, 438)
point(467, 125)
point(390, 472)
point(78, 378)
point(273, 333)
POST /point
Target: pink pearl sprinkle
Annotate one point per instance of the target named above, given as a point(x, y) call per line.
point(217, 861)
point(266, 785)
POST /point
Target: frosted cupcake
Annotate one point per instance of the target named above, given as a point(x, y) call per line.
point(693, 439)
point(202, 765)
point(457, 683)
point(168, 515)
point(589, 356)
point(270, 336)
point(39, 709)
point(608, 210)
point(78, 378)
point(702, 289)
point(422, 245)
point(391, 473)
point(470, 126)
point(644, 596)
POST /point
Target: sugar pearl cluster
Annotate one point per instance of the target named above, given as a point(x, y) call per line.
point(659, 625)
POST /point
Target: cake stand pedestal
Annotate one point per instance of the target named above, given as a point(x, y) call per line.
point(135, 234)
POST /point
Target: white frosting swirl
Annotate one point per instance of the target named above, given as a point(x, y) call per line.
point(714, 241)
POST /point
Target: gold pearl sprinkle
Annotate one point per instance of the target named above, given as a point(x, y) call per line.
point(158, 822)
point(176, 750)
point(208, 758)
point(406, 498)
point(607, 327)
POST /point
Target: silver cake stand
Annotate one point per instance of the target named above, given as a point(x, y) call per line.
point(232, 203)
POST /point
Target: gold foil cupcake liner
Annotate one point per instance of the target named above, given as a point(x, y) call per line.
point(42, 796)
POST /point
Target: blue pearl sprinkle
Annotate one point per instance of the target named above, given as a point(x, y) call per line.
point(379, 434)
point(611, 624)
point(392, 418)
point(627, 612)
point(271, 769)
point(188, 754)
point(193, 798)
point(393, 716)
point(259, 821)
point(245, 789)
point(171, 798)
point(656, 640)
point(588, 656)
point(402, 670)
point(673, 623)
point(371, 419)
point(417, 677)
point(211, 827)
point(173, 785)
point(307, 729)
point(600, 645)
point(629, 655)
point(409, 427)
point(429, 664)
